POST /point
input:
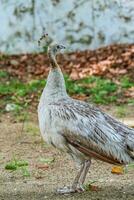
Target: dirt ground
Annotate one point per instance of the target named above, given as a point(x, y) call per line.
point(24, 142)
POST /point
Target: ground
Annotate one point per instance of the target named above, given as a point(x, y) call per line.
point(49, 169)
point(29, 168)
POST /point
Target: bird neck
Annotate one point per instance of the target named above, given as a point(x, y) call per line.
point(55, 87)
point(53, 60)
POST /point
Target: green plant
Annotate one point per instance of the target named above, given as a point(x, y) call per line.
point(131, 101)
point(101, 90)
point(47, 160)
point(88, 184)
point(3, 74)
point(73, 87)
point(16, 164)
point(126, 82)
point(22, 94)
point(25, 171)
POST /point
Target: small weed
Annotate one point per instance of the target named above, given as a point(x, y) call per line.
point(19, 93)
point(103, 91)
point(73, 87)
point(3, 74)
point(131, 101)
point(99, 90)
point(11, 166)
point(21, 116)
point(126, 82)
point(47, 160)
point(87, 185)
point(25, 171)
point(15, 164)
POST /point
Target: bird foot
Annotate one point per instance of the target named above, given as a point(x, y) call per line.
point(68, 190)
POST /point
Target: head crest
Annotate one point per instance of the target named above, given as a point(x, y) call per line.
point(44, 40)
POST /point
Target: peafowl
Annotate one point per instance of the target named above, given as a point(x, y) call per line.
point(79, 128)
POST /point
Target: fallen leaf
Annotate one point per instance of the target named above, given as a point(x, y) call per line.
point(117, 170)
point(113, 59)
point(42, 166)
point(94, 188)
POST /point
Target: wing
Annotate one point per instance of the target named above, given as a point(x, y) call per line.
point(91, 131)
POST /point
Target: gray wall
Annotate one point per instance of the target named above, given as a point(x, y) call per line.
point(80, 24)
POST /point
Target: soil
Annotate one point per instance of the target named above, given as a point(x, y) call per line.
point(23, 141)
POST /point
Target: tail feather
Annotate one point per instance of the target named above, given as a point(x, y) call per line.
point(130, 140)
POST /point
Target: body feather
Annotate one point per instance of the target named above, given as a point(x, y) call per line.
point(91, 131)
point(79, 128)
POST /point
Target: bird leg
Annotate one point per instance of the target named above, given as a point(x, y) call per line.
point(80, 178)
point(77, 185)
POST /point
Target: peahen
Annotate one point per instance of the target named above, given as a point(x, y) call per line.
point(78, 128)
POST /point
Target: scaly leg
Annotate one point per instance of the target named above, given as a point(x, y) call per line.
point(77, 185)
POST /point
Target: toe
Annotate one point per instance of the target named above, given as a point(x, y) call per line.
point(65, 190)
point(80, 188)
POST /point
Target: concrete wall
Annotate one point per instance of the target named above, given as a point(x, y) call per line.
point(80, 24)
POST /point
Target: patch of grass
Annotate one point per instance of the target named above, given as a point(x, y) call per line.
point(25, 171)
point(3, 74)
point(73, 87)
point(3, 56)
point(131, 101)
point(88, 184)
point(47, 160)
point(103, 91)
point(19, 93)
point(16, 164)
point(99, 90)
point(21, 116)
point(16, 88)
point(126, 82)
point(11, 166)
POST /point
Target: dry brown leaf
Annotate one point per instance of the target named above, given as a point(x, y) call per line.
point(42, 166)
point(117, 170)
point(113, 60)
point(94, 188)
point(129, 92)
point(81, 97)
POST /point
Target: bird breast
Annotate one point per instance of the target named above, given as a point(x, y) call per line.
point(50, 130)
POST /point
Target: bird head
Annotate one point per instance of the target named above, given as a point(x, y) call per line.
point(53, 48)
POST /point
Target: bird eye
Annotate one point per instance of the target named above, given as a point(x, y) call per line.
point(58, 47)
